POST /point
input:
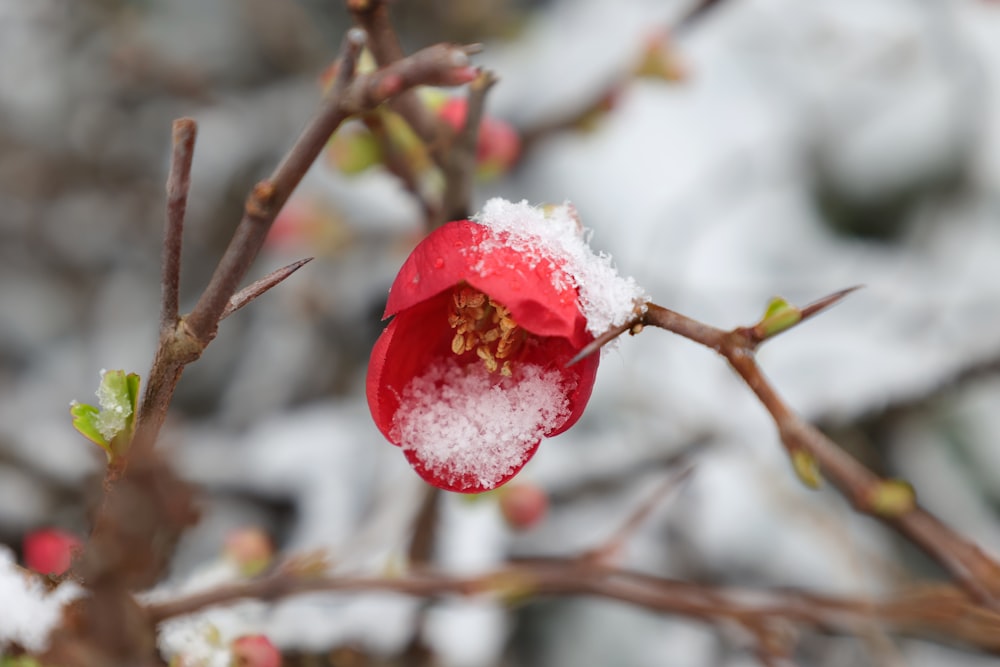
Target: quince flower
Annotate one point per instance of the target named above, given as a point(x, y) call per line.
point(471, 372)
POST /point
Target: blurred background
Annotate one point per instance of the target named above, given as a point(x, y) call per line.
point(760, 147)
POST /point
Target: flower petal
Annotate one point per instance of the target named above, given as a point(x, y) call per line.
point(540, 296)
point(411, 342)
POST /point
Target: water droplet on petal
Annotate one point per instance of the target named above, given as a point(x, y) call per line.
point(438, 262)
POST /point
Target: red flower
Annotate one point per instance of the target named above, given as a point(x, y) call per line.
point(49, 551)
point(471, 372)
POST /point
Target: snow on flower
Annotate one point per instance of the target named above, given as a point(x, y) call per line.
point(471, 373)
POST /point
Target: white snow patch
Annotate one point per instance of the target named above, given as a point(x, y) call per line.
point(606, 298)
point(464, 420)
point(29, 612)
point(115, 409)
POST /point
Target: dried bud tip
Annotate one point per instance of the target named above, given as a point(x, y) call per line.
point(357, 36)
point(457, 58)
point(459, 76)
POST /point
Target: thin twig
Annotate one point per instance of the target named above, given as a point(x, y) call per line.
point(373, 17)
point(692, 16)
point(460, 163)
point(259, 287)
point(185, 131)
point(437, 65)
point(940, 613)
point(411, 163)
point(608, 550)
point(820, 305)
point(604, 339)
point(977, 572)
point(759, 332)
point(268, 196)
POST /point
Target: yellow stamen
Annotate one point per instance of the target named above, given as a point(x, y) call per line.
point(458, 344)
point(485, 326)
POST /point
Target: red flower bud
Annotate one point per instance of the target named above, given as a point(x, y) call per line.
point(471, 373)
point(523, 506)
point(49, 551)
point(254, 651)
point(250, 549)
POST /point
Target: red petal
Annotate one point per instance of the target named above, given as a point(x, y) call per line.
point(423, 335)
point(453, 253)
point(420, 336)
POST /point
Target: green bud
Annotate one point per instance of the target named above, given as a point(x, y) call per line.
point(893, 498)
point(779, 316)
point(110, 426)
point(353, 149)
point(806, 468)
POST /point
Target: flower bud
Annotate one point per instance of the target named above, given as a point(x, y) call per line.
point(523, 505)
point(50, 550)
point(254, 651)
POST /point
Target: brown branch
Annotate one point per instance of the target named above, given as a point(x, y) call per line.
point(411, 164)
point(373, 17)
point(977, 572)
point(940, 612)
point(614, 544)
point(259, 287)
point(185, 131)
point(268, 196)
point(693, 15)
point(460, 163)
point(437, 65)
point(145, 507)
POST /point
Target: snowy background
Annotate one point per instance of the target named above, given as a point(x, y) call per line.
point(811, 147)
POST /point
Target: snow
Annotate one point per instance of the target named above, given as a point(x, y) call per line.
point(29, 612)
point(555, 233)
point(460, 421)
point(702, 191)
point(115, 408)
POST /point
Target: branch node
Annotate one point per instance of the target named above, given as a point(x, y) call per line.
point(261, 200)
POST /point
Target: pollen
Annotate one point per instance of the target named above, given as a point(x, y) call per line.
point(486, 326)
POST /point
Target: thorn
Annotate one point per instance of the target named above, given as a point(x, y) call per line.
point(820, 305)
point(603, 340)
point(782, 316)
point(257, 288)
